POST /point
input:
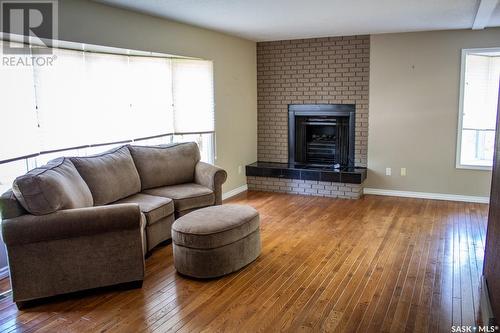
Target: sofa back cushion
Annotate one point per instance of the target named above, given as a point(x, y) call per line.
point(166, 164)
point(52, 187)
point(110, 176)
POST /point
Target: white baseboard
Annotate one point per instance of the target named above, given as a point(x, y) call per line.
point(234, 192)
point(4, 272)
point(426, 195)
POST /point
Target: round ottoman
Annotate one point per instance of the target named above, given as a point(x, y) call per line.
point(215, 241)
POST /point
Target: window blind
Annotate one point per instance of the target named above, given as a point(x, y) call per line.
point(60, 93)
point(87, 99)
point(107, 98)
point(480, 91)
point(193, 96)
point(151, 96)
point(18, 113)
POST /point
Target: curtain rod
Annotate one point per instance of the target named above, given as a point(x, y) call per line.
point(152, 55)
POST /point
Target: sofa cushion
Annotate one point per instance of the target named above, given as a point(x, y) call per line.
point(52, 187)
point(216, 226)
point(186, 196)
point(110, 176)
point(166, 164)
point(154, 208)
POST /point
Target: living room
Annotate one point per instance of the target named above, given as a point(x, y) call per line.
point(251, 166)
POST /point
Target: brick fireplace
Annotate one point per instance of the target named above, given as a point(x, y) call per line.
point(332, 70)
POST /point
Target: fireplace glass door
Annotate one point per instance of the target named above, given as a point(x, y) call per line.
point(321, 134)
point(322, 140)
point(320, 137)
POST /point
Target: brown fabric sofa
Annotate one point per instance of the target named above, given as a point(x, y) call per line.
point(86, 222)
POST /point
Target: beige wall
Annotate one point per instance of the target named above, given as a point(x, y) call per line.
point(413, 111)
point(234, 68)
point(414, 87)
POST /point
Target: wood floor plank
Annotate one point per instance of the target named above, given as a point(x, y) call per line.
point(254, 296)
point(390, 295)
point(378, 264)
point(457, 278)
point(444, 321)
point(467, 288)
point(280, 311)
point(374, 296)
point(435, 306)
point(417, 298)
point(347, 305)
point(420, 323)
point(395, 319)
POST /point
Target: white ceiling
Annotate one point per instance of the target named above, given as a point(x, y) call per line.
point(263, 20)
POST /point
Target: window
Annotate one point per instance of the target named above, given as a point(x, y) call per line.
point(88, 102)
point(479, 86)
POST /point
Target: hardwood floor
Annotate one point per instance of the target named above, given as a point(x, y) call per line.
point(4, 285)
point(375, 264)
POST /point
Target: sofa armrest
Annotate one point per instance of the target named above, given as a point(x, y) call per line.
point(212, 177)
point(10, 206)
point(70, 223)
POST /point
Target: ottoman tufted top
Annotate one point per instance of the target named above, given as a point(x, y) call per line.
point(215, 226)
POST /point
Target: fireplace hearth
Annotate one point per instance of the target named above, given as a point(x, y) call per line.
point(321, 134)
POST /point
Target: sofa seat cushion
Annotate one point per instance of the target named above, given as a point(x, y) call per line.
point(52, 187)
point(185, 196)
point(165, 164)
point(153, 207)
point(214, 227)
point(111, 176)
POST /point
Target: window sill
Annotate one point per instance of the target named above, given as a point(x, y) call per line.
point(473, 167)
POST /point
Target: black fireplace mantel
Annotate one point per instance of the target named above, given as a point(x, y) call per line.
point(326, 109)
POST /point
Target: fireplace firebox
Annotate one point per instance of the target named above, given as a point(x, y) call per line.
point(321, 134)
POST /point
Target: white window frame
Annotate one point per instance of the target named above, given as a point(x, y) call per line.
point(465, 52)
